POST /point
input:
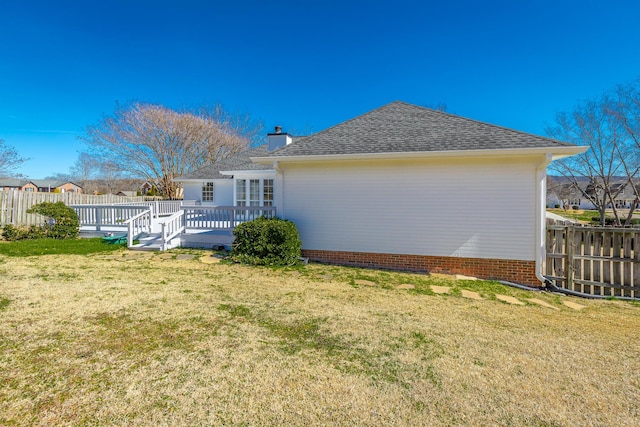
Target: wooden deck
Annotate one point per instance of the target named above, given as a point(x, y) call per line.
point(188, 225)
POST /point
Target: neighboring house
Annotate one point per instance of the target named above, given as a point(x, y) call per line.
point(7, 184)
point(127, 193)
point(39, 185)
point(145, 187)
point(402, 187)
point(564, 193)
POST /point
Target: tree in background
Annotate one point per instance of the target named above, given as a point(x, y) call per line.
point(611, 165)
point(84, 169)
point(9, 159)
point(158, 144)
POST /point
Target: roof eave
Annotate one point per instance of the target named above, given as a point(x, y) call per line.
point(556, 153)
point(247, 171)
point(196, 179)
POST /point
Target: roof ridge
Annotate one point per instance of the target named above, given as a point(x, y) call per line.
point(356, 117)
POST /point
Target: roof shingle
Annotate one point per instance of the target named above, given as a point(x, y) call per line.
point(399, 127)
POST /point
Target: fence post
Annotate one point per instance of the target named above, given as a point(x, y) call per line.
point(569, 251)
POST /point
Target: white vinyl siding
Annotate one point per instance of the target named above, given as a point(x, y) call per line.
point(473, 208)
point(222, 195)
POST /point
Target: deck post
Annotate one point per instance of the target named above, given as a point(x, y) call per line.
point(98, 218)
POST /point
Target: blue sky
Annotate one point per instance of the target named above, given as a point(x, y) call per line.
point(302, 65)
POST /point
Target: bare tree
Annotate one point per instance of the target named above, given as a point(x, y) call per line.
point(158, 144)
point(611, 164)
point(238, 123)
point(9, 159)
point(85, 168)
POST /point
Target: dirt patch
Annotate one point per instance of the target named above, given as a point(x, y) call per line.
point(574, 305)
point(470, 295)
point(364, 282)
point(542, 303)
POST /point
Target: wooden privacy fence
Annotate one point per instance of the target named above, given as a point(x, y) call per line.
point(14, 204)
point(600, 261)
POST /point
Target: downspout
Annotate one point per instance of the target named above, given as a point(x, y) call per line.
point(280, 190)
point(541, 222)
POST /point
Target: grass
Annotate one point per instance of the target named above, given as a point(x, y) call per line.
point(35, 247)
point(143, 339)
point(584, 216)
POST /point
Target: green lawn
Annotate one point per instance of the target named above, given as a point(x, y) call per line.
point(178, 338)
point(577, 215)
point(56, 247)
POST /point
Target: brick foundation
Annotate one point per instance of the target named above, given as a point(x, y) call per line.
point(522, 272)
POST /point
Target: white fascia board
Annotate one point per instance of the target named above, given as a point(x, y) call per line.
point(188, 179)
point(197, 179)
point(248, 172)
point(556, 152)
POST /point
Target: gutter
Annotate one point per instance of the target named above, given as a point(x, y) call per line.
point(541, 198)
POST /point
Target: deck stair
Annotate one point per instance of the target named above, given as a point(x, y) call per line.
point(153, 242)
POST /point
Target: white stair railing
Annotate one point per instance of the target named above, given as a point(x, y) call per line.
point(138, 224)
point(171, 227)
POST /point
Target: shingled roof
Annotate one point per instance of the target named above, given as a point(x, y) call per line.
point(239, 161)
point(402, 128)
point(40, 183)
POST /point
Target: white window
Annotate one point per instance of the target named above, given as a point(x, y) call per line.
point(241, 192)
point(207, 192)
point(254, 192)
point(267, 192)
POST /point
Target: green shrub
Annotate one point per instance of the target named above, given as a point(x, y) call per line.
point(266, 241)
point(13, 233)
point(61, 222)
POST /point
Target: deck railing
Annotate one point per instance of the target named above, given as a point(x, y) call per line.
point(171, 227)
point(163, 207)
point(138, 224)
point(223, 217)
point(108, 215)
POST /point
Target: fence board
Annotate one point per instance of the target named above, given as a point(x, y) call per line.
point(596, 260)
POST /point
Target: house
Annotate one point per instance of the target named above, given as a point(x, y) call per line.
point(576, 192)
point(127, 193)
point(402, 187)
point(236, 181)
point(7, 184)
point(39, 185)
